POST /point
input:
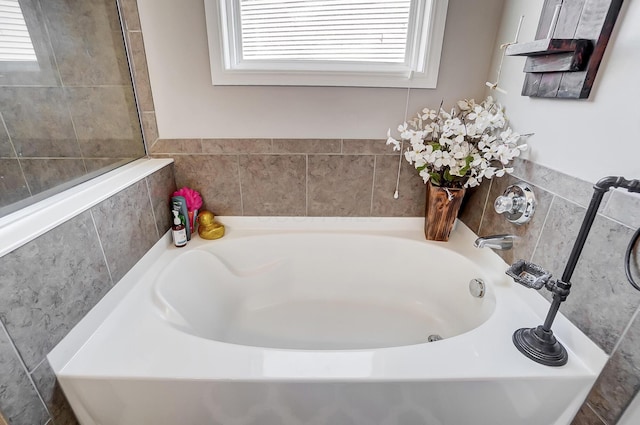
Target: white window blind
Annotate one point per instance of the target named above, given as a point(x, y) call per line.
point(333, 30)
point(356, 43)
point(15, 42)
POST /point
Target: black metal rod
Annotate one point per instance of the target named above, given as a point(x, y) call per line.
point(538, 343)
point(587, 222)
point(551, 314)
point(600, 188)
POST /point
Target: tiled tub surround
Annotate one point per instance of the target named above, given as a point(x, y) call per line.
point(602, 304)
point(77, 114)
point(49, 284)
point(296, 177)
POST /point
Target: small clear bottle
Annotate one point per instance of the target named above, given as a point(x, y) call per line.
point(178, 231)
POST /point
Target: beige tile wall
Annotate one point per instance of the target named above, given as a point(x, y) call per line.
point(332, 177)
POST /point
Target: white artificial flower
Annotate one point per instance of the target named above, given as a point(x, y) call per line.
point(464, 146)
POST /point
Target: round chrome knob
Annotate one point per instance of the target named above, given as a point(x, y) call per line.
point(503, 204)
point(517, 203)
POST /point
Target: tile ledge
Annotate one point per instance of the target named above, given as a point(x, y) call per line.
point(25, 225)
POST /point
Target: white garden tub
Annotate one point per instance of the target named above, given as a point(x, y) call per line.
point(319, 321)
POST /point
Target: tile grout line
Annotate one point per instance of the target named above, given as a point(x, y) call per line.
point(373, 184)
point(484, 207)
point(240, 185)
point(634, 316)
point(604, 422)
point(544, 223)
point(128, 52)
point(153, 212)
point(24, 366)
point(15, 152)
point(306, 186)
point(104, 254)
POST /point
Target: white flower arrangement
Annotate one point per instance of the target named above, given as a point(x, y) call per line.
point(460, 148)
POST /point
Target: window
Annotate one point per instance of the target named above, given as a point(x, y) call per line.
point(370, 43)
point(16, 48)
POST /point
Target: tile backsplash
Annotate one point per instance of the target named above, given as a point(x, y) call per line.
point(50, 283)
point(296, 177)
point(602, 303)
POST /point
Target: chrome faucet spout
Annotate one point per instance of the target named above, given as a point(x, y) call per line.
point(499, 242)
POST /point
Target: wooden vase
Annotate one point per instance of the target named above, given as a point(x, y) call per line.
point(441, 211)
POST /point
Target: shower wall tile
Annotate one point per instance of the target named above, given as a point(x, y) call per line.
point(367, 147)
point(43, 174)
point(37, 124)
point(19, 402)
point(106, 121)
point(473, 206)
point(307, 145)
point(126, 227)
point(557, 237)
point(50, 391)
point(177, 146)
point(624, 207)
point(49, 284)
point(149, 127)
point(161, 185)
point(216, 177)
point(130, 15)
point(102, 165)
point(273, 184)
point(140, 71)
point(494, 223)
point(340, 185)
point(411, 189)
point(620, 380)
point(237, 146)
point(6, 148)
point(13, 186)
point(555, 182)
point(89, 51)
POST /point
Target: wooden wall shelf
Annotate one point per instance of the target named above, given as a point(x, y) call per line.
point(564, 59)
point(553, 54)
point(547, 46)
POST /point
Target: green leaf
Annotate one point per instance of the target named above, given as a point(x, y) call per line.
point(464, 170)
point(468, 160)
point(436, 146)
point(447, 176)
point(435, 178)
point(422, 167)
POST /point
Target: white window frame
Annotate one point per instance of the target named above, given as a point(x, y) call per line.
point(419, 71)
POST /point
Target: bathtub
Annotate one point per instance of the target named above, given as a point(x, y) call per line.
point(319, 321)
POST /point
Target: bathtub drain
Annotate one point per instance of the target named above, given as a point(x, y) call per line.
point(434, 337)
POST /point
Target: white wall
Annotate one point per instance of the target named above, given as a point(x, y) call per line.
point(188, 106)
point(590, 138)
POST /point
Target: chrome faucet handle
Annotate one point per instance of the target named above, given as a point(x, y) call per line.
point(517, 203)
